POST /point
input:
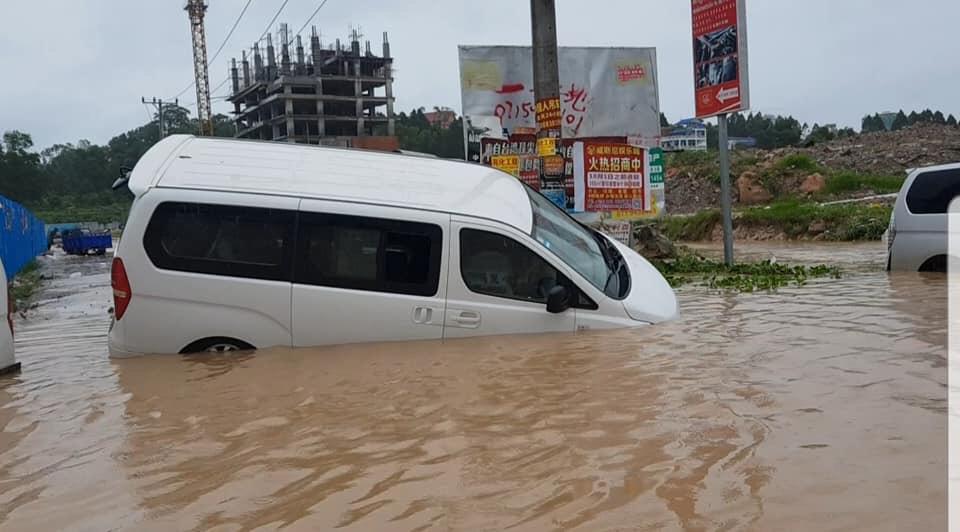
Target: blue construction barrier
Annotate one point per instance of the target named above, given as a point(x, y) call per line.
point(22, 236)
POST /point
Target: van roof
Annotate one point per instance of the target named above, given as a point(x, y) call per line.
point(261, 167)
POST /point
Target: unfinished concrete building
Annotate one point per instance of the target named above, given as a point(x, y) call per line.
point(331, 96)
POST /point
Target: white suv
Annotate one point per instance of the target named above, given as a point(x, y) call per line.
point(917, 236)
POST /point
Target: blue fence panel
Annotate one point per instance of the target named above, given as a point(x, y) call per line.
point(22, 236)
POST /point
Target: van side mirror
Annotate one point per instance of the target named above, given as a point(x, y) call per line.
point(558, 299)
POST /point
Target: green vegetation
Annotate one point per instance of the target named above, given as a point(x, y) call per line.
point(769, 132)
point(691, 228)
point(416, 134)
point(25, 284)
point(795, 219)
point(707, 163)
point(842, 182)
point(746, 277)
point(797, 162)
point(844, 222)
point(873, 122)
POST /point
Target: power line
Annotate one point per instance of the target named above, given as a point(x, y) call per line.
point(227, 38)
point(222, 45)
point(310, 19)
point(275, 17)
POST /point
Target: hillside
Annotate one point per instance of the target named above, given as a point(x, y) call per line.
point(847, 168)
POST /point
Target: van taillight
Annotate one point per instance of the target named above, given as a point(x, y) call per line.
point(121, 288)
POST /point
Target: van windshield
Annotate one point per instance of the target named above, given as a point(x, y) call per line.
point(577, 246)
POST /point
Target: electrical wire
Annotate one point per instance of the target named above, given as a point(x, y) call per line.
point(220, 48)
point(275, 17)
point(227, 38)
point(317, 10)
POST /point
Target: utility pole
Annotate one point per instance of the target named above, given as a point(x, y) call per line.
point(196, 9)
point(158, 104)
point(546, 91)
point(725, 207)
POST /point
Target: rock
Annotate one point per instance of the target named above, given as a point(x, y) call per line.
point(813, 184)
point(751, 191)
point(76, 275)
point(817, 227)
point(649, 242)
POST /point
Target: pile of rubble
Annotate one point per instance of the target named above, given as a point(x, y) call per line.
point(692, 189)
point(888, 153)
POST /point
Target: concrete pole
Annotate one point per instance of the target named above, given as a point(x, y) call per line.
point(546, 76)
point(725, 207)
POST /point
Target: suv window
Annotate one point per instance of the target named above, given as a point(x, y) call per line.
point(932, 192)
point(496, 265)
point(221, 240)
point(368, 254)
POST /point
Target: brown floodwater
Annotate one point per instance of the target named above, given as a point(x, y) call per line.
point(821, 407)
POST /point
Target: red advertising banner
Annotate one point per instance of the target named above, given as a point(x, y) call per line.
point(720, 57)
point(612, 178)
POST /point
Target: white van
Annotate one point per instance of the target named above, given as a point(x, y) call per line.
point(917, 236)
point(8, 362)
point(239, 244)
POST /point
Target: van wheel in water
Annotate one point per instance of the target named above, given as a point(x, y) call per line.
point(217, 345)
point(935, 264)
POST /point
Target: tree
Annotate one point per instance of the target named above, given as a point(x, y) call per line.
point(938, 118)
point(900, 121)
point(663, 120)
point(872, 123)
point(20, 175)
point(819, 134)
point(951, 121)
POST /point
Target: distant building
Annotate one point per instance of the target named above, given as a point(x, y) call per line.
point(442, 118)
point(685, 135)
point(741, 142)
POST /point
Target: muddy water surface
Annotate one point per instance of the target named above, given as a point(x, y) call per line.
point(814, 408)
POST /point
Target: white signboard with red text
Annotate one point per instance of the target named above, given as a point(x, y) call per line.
point(603, 92)
point(720, 57)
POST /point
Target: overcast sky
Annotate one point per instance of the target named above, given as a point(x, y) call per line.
point(76, 69)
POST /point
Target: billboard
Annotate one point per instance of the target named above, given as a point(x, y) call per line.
point(609, 177)
point(721, 83)
point(603, 92)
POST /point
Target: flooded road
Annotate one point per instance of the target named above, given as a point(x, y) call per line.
point(813, 408)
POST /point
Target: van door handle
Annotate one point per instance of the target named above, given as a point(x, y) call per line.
point(423, 315)
point(468, 318)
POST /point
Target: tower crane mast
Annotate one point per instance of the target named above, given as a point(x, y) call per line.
point(196, 10)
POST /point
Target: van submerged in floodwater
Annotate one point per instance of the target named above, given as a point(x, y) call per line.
point(239, 244)
point(918, 235)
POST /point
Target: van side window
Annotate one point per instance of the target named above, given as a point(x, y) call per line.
point(221, 240)
point(369, 254)
point(496, 265)
point(932, 192)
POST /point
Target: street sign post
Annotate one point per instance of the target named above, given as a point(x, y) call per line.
point(721, 82)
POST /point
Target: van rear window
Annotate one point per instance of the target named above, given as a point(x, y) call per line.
point(932, 192)
point(221, 240)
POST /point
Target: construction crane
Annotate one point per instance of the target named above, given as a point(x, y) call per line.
point(196, 9)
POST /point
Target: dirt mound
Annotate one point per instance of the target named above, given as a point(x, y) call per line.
point(888, 152)
point(692, 181)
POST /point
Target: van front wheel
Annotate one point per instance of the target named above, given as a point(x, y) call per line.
point(217, 345)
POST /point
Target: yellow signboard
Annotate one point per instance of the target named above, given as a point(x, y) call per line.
point(508, 163)
point(546, 147)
